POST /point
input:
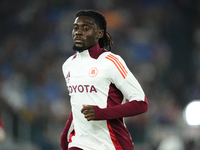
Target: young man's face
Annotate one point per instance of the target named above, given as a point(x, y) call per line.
point(85, 33)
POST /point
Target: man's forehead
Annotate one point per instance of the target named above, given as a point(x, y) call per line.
point(84, 20)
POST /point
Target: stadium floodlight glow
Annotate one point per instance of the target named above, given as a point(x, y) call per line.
point(192, 113)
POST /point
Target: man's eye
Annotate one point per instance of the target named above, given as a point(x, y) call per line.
point(75, 28)
point(85, 28)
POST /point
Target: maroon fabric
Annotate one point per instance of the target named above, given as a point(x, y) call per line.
point(1, 123)
point(74, 148)
point(115, 97)
point(64, 142)
point(131, 108)
point(96, 51)
point(121, 134)
point(74, 56)
point(115, 111)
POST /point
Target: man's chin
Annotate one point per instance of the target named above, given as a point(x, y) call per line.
point(79, 49)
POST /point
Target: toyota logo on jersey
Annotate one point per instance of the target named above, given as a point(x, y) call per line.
point(82, 88)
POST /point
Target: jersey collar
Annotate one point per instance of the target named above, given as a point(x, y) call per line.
point(96, 51)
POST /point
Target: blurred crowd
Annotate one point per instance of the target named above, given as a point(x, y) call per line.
point(158, 39)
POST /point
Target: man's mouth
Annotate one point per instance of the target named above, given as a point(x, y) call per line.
point(78, 40)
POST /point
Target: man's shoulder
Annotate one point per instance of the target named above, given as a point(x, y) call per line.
point(108, 54)
point(111, 56)
point(69, 59)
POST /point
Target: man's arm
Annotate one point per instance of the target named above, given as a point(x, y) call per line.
point(64, 140)
point(131, 108)
point(125, 81)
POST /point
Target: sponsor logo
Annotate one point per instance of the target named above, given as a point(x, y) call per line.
point(82, 88)
point(93, 72)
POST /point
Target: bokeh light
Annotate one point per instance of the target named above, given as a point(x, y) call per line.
point(191, 113)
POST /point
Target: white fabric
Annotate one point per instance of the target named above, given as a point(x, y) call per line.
point(90, 87)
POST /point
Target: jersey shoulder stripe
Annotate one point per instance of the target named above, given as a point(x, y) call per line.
point(118, 64)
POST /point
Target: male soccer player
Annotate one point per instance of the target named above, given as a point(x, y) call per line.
point(98, 81)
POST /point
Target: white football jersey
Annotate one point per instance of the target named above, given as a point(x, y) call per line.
point(100, 78)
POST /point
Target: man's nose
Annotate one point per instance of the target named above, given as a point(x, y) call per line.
point(79, 31)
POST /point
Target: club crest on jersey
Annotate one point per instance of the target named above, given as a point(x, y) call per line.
point(93, 72)
point(68, 77)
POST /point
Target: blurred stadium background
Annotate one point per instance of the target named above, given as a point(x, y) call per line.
point(158, 39)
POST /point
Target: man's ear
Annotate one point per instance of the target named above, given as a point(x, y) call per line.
point(100, 33)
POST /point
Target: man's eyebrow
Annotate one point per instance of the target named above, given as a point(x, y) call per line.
point(85, 24)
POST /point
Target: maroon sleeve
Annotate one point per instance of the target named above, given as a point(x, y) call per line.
point(131, 108)
point(64, 142)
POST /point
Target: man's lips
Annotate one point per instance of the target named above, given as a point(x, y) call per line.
point(78, 40)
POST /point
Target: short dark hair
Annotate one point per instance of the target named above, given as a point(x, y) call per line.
point(106, 41)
